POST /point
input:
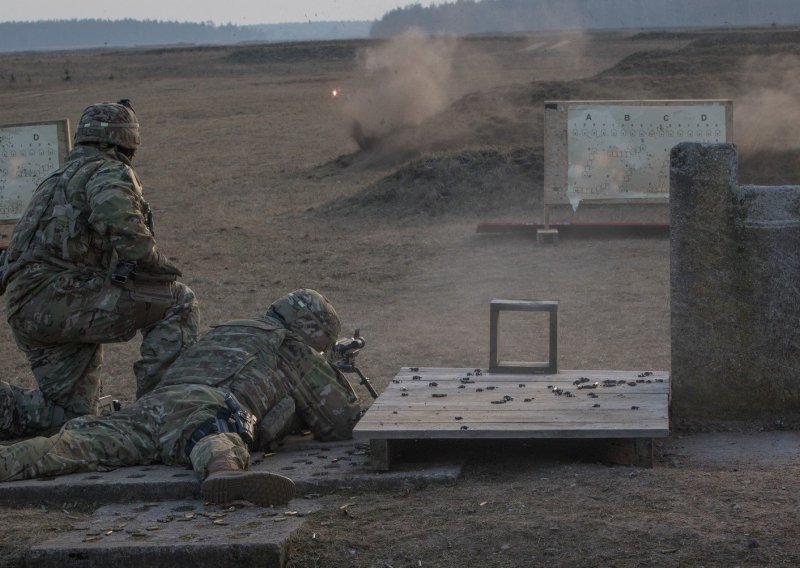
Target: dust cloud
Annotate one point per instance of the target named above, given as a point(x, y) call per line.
point(406, 81)
point(417, 93)
point(767, 112)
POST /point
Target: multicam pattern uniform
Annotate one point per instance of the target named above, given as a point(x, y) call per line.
point(60, 303)
point(264, 365)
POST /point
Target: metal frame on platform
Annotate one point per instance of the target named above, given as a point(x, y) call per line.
point(497, 306)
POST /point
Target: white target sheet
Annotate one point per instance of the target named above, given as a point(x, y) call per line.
point(622, 152)
point(28, 154)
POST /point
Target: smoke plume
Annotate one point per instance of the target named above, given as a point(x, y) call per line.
point(405, 82)
point(768, 113)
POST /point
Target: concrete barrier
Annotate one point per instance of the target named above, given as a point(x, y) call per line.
point(735, 280)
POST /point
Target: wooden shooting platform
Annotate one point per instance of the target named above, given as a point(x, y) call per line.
point(473, 404)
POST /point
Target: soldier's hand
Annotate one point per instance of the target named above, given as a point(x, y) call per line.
point(165, 266)
point(161, 266)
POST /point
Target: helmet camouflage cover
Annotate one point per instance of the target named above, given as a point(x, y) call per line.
point(109, 123)
point(310, 315)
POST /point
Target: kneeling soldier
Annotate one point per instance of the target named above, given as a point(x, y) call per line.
point(83, 269)
point(245, 382)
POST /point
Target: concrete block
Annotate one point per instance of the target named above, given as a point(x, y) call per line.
point(124, 485)
point(175, 533)
point(735, 306)
point(547, 236)
point(315, 467)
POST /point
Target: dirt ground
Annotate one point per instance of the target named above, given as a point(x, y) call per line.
point(261, 182)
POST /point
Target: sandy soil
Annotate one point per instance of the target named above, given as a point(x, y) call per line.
point(259, 187)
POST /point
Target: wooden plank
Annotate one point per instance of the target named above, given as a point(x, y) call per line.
point(644, 452)
point(595, 405)
point(566, 372)
point(527, 377)
point(503, 432)
point(544, 417)
point(426, 403)
point(444, 394)
point(542, 392)
point(637, 451)
point(570, 384)
point(518, 422)
point(514, 387)
point(541, 386)
point(464, 403)
point(380, 454)
point(489, 415)
point(456, 373)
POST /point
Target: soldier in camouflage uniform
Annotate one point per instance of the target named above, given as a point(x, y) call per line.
point(83, 269)
point(245, 384)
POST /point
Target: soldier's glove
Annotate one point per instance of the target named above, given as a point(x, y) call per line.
point(159, 265)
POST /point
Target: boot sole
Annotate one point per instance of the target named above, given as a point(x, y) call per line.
point(261, 488)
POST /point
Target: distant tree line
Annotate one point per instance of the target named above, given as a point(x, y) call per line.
point(57, 34)
point(475, 17)
point(70, 34)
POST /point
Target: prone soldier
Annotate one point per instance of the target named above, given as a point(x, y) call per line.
point(245, 382)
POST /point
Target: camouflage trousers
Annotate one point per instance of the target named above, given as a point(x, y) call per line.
point(62, 332)
point(155, 429)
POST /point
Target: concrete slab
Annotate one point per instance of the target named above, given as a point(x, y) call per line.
point(175, 533)
point(735, 449)
point(315, 468)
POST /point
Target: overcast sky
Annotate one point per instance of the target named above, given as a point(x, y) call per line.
point(218, 11)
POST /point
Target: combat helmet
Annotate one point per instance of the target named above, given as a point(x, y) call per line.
point(109, 123)
point(310, 315)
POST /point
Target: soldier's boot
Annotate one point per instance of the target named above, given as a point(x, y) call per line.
point(227, 482)
point(25, 412)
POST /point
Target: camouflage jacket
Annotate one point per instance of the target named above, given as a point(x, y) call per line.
point(262, 364)
point(81, 220)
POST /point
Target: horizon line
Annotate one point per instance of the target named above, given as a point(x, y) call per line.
point(209, 23)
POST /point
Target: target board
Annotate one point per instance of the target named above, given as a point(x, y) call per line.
point(618, 152)
point(28, 154)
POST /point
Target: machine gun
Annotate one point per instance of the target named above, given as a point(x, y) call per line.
point(345, 352)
